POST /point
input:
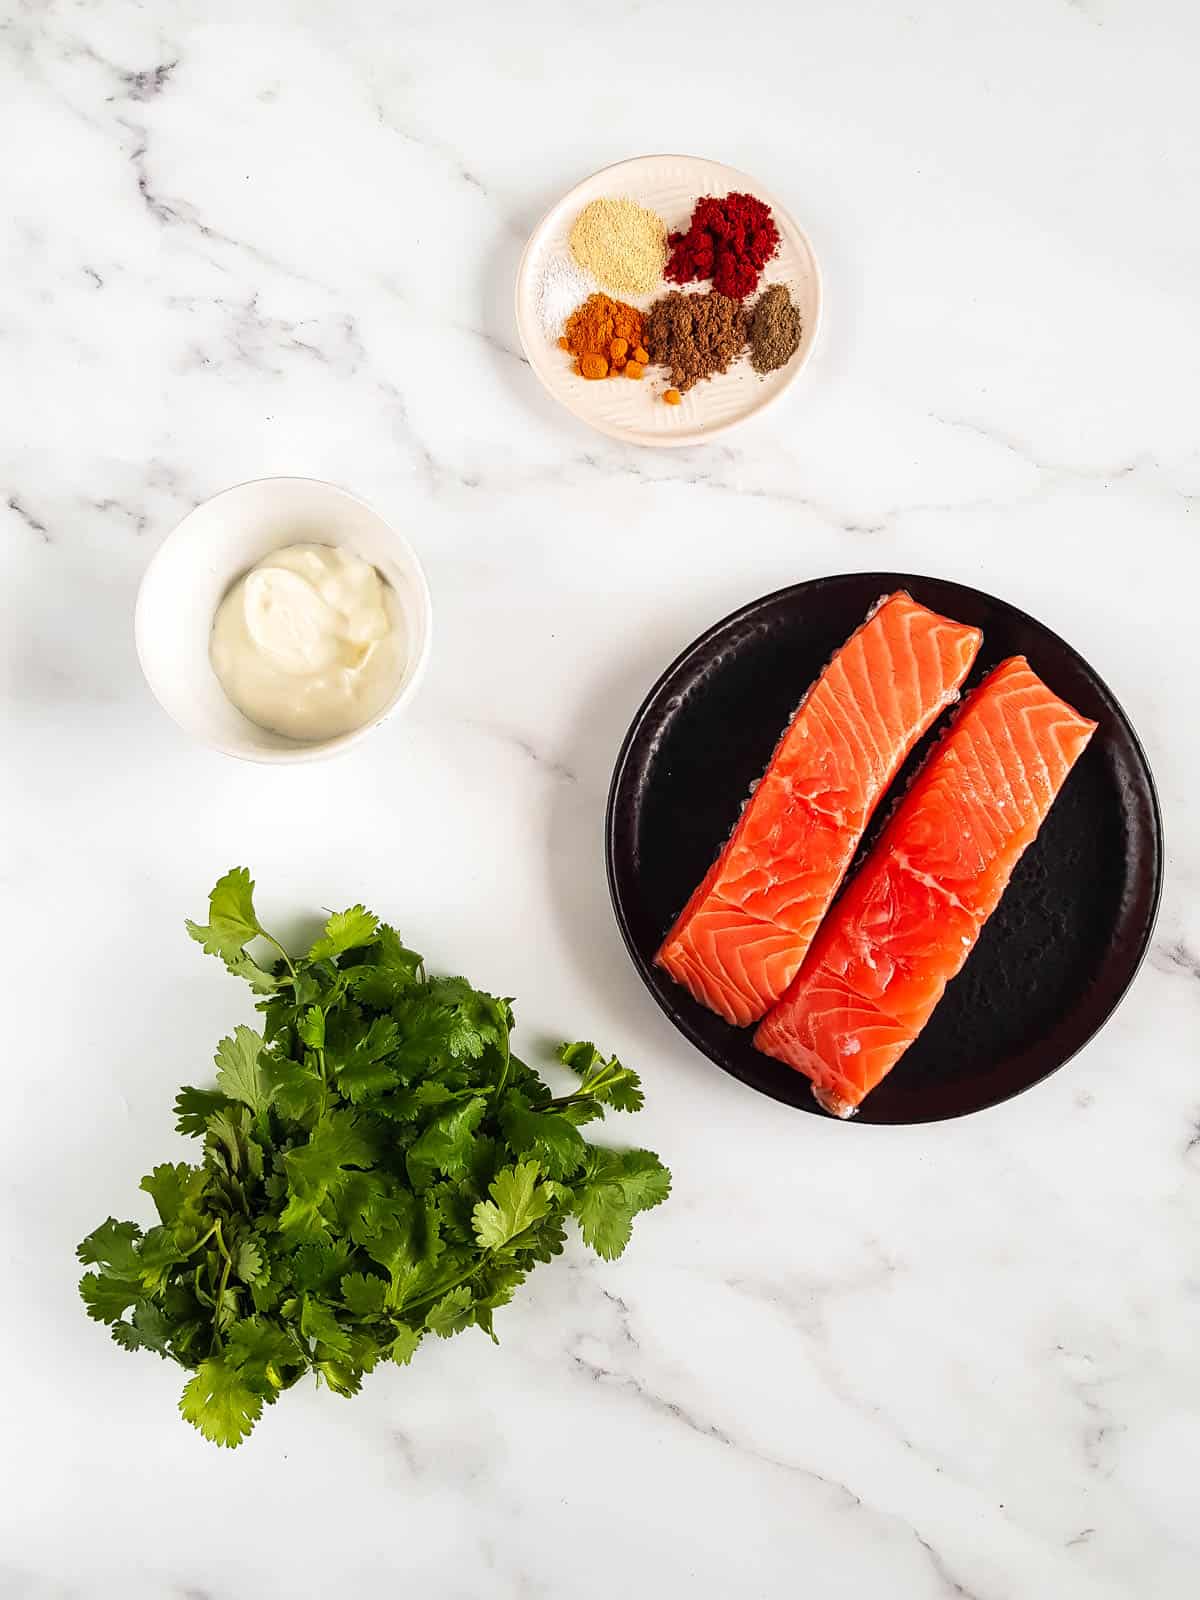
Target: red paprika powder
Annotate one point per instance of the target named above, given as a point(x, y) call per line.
point(728, 240)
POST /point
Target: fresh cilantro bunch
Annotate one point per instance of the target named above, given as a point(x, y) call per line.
point(377, 1165)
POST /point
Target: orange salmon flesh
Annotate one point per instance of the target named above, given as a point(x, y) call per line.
point(911, 917)
point(743, 935)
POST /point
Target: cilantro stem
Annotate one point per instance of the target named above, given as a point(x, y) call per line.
point(444, 1288)
point(593, 1085)
point(503, 1078)
point(223, 1283)
point(216, 1338)
point(216, 1228)
point(324, 1080)
point(271, 939)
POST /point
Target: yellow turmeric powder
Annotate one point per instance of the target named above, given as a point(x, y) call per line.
point(600, 332)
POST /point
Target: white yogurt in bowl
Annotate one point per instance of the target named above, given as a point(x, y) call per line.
point(283, 620)
point(308, 643)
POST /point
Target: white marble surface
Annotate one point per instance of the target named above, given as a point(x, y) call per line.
point(960, 1361)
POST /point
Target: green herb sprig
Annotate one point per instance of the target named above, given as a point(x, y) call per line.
point(377, 1166)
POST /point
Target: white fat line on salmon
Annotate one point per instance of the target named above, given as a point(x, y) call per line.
point(788, 784)
point(930, 882)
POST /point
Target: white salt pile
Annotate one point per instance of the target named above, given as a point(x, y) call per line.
point(561, 287)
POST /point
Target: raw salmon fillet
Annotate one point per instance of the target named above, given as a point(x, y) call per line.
point(911, 916)
point(740, 939)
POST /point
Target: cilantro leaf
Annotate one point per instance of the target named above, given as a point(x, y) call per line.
point(220, 1402)
point(149, 1330)
point(341, 1376)
point(107, 1298)
point(248, 1261)
point(318, 1267)
point(407, 1104)
point(228, 1147)
point(376, 1164)
point(297, 1091)
point(556, 1143)
point(643, 1177)
point(389, 973)
point(339, 1140)
point(580, 1112)
point(451, 1314)
point(311, 1028)
point(318, 1322)
point(175, 1188)
point(239, 1075)
point(607, 1082)
point(260, 980)
point(193, 1107)
point(367, 1204)
point(262, 1352)
point(158, 1253)
point(516, 1203)
point(545, 1239)
point(364, 1296)
point(406, 1234)
point(302, 1221)
point(231, 919)
point(425, 1029)
point(404, 1346)
point(344, 931)
point(495, 1287)
point(113, 1246)
point(615, 1187)
point(476, 1019)
point(445, 1144)
point(605, 1218)
point(362, 1068)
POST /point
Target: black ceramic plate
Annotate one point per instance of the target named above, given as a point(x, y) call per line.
point(1052, 962)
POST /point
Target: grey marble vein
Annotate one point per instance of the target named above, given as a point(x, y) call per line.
point(946, 1578)
point(32, 522)
point(176, 212)
point(820, 508)
point(1145, 465)
point(136, 515)
point(258, 340)
point(548, 764)
point(1102, 1429)
point(148, 83)
point(1177, 957)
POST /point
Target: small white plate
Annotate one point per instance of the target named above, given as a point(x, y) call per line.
point(636, 412)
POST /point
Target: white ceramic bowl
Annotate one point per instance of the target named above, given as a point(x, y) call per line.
point(195, 566)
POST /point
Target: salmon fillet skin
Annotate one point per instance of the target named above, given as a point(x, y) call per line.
point(912, 914)
point(742, 936)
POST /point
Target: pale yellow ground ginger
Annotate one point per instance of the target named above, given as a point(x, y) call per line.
point(621, 244)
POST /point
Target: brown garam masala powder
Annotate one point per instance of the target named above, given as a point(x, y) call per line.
point(696, 335)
